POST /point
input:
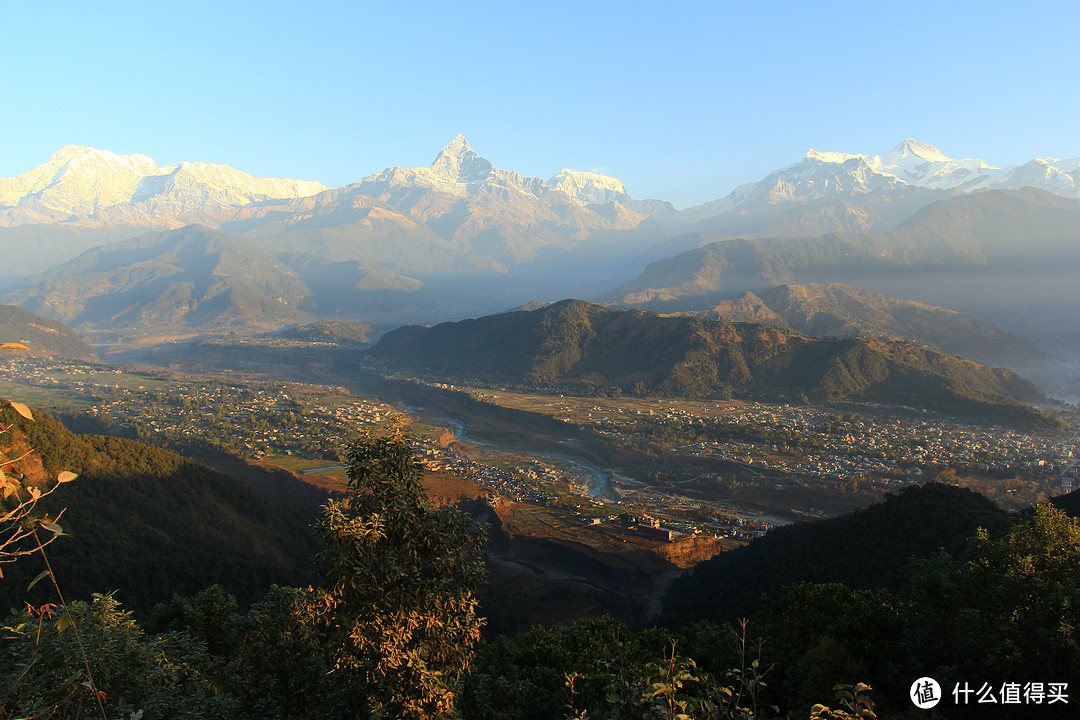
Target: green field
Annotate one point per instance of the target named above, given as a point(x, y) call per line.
point(329, 479)
point(41, 397)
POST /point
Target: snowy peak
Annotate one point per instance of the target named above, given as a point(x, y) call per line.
point(454, 150)
point(589, 187)
point(81, 182)
point(80, 156)
point(910, 164)
point(838, 158)
point(458, 170)
point(459, 163)
point(910, 148)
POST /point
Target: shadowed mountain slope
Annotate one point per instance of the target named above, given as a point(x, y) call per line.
point(151, 522)
point(1028, 234)
point(865, 549)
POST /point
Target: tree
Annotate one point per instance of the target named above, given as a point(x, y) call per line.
point(401, 577)
point(18, 500)
point(46, 668)
point(1011, 610)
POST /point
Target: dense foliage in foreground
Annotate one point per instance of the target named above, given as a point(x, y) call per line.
point(391, 631)
point(1007, 612)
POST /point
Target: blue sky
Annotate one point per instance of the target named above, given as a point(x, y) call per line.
point(680, 100)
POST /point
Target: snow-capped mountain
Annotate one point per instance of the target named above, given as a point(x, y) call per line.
point(81, 182)
point(917, 163)
point(459, 171)
point(511, 218)
point(589, 187)
point(924, 165)
point(856, 179)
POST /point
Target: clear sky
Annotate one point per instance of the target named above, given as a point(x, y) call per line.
point(680, 100)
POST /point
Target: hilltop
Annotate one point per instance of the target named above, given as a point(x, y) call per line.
point(580, 346)
point(39, 335)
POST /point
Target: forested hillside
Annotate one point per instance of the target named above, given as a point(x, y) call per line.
point(148, 523)
point(581, 347)
point(40, 335)
point(865, 598)
point(863, 550)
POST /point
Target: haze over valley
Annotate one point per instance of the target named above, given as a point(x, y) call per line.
point(156, 253)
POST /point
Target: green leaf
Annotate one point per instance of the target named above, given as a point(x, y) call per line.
point(21, 409)
point(64, 622)
point(35, 580)
point(66, 476)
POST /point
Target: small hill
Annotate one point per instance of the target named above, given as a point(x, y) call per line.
point(836, 310)
point(148, 523)
point(41, 335)
point(581, 347)
point(339, 332)
point(865, 549)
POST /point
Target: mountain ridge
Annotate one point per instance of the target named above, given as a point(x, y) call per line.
point(976, 230)
point(486, 217)
point(577, 346)
point(837, 310)
point(79, 182)
point(151, 522)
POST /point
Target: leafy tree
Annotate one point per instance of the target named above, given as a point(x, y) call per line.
point(209, 616)
point(164, 676)
point(281, 666)
point(1011, 610)
point(821, 633)
point(401, 577)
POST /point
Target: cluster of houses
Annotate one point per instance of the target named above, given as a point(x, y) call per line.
point(881, 446)
point(518, 484)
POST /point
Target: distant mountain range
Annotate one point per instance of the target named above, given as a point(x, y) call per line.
point(179, 284)
point(911, 163)
point(79, 183)
point(459, 214)
point(465, 213)
point(461, 238)
point(575, 346)
point(999, 253)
